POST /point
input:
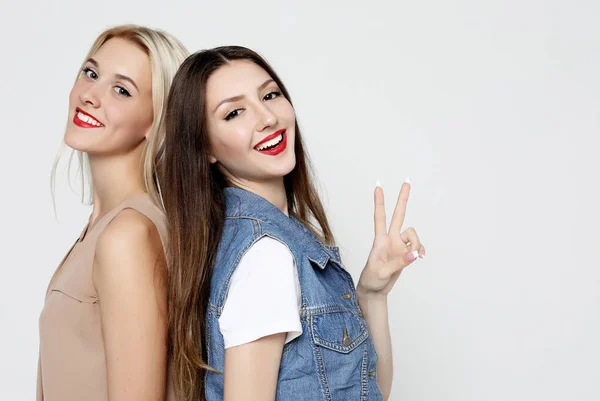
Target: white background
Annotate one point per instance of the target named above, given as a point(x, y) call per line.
point(491, 107)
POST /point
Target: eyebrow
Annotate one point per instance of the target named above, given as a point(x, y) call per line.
point(265, 84)
point(118, 76)
point(240, 97)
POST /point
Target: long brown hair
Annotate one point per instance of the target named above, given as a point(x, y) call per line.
point(194, 204)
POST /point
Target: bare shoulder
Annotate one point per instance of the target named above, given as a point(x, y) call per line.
point(130, 241)
point(129, 231)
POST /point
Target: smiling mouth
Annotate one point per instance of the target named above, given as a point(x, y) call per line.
point(273, 144)
point(85, 120)
point(270, 144)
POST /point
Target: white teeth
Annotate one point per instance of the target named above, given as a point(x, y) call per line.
point(88, 119)
point(271, 143)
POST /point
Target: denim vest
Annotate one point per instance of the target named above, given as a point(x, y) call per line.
point(334, 359)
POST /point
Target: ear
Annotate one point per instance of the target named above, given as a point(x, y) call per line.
point(212, 159)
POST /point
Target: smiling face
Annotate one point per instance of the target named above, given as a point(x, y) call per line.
point(251, 125)
point(110, 105)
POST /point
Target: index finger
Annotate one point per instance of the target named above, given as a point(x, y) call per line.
point(400, 210)
point(380, 226)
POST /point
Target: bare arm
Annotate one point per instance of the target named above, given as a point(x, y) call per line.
point(375, 311)
point(392, 251)
point(252, 369)
point(130, 279)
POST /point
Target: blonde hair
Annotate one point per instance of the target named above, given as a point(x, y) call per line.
point(166, 53)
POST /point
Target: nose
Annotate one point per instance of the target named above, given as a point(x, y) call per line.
point(89, 96)
point(266, 118)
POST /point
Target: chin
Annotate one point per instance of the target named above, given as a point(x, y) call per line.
point(81, 142)
point(284, 168)
point(76, 141)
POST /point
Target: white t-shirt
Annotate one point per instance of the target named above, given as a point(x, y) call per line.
point(263, 297)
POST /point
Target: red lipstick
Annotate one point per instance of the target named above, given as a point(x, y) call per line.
point(83, 124)
point(276, 148)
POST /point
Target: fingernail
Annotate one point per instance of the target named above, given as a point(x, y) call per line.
point(377, 183)
point(407, 180)
point(411, 256)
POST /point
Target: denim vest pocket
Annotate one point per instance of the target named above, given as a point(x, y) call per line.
point(341, 353)
point(340, 331)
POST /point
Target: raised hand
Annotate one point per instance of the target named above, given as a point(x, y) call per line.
point(392, 249)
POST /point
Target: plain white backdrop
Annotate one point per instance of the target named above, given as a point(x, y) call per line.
point(492, 108)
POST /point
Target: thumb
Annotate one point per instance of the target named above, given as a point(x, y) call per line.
point(410, 257)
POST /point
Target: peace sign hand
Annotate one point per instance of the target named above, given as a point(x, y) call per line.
point(392, 250)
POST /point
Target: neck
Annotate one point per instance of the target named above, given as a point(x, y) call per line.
point(115, 178)
point(273, 191)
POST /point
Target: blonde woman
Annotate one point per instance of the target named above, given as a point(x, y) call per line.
point(103, 329)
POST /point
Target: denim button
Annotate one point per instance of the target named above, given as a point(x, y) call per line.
point(347, 296)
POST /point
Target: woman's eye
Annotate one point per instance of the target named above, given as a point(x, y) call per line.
point(233, 114)
point(90, 73)
point(122, 91)
point(272, 95)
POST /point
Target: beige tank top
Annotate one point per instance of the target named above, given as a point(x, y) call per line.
point(72, 362)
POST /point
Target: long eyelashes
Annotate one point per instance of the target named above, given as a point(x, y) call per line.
point(233, 114)
point(122, 91)
point(272, 95)
point(91, 74)
point(236, 112)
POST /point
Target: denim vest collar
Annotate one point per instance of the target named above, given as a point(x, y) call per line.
point(240, 203)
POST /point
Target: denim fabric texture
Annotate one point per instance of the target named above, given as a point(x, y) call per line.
point(334, 359)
